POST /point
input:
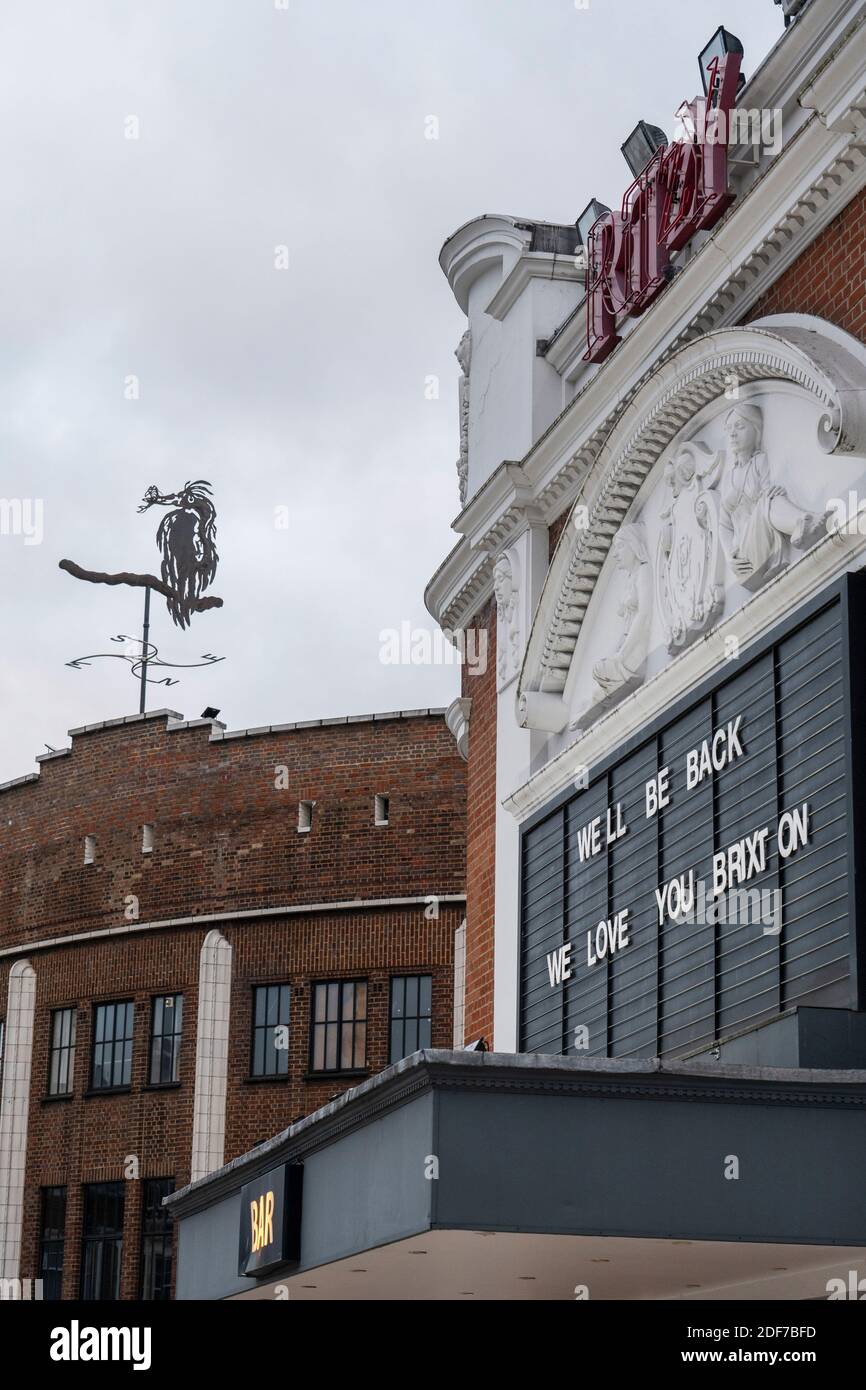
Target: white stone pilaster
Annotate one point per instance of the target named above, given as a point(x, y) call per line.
point(514, 746)
point(211, 1055)
point(14, 1112)
point(459, 984)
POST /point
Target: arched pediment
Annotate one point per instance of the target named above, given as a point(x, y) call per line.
point(668, 479)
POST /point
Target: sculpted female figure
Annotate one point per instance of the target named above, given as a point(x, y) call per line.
point(756, 510)
point(629, 550)
point(615, 676)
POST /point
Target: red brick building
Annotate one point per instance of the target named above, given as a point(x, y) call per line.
point(205, 936)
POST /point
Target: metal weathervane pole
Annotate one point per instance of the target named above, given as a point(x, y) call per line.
point(145, 633)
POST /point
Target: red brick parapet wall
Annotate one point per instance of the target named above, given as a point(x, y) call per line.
point(226, 835)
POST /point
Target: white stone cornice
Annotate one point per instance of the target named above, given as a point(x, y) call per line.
point(543, 265)
point(794, 587)
point(472, 595)
point(486, 241)
point(462, 583)
point(500, 510)
point(798, 53)
point(835, 92)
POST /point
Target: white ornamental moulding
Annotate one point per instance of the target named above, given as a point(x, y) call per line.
point(457, 719)
point(821, 361)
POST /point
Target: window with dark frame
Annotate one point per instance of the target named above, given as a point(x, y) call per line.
point(61, 1062)
point(270, 1050)
point(112, 1046)
point(339, 1033)
point(51, 1241)
point(156, 1247)
point(165, 1034)
point(411, 1015)
point(102, 1241)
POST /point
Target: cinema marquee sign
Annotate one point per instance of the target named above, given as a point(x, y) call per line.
point(270, 1221)
point(703, 881)
point(678, 899)
point(682, 190)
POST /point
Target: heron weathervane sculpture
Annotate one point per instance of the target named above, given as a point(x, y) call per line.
point(186, 537)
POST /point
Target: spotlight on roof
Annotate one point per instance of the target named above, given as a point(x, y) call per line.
point(641, 145)
point(591, 213)
point(721, 44)
point(479, 1045)
point(210, 713)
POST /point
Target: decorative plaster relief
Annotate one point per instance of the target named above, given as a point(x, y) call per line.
point(506, 587)
point(617, 675)
point(689, 558)
point(463, 354)
point(759, 517)
point(729, 458)
point(730, 503)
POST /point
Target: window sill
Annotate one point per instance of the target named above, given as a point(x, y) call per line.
point(108, 1091)
point(52, 1100)
point(161, 1086)
point(336, 1075)
point(263, 1080)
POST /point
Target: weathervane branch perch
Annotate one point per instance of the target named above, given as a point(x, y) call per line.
point(140, 581)
point(186, 538)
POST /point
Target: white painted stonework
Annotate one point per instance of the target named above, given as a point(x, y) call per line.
point(712, 537)
point(512, 297)
point(463, 354)
point(14, 1112)
point(731, 463)
point(506, 587)
point(718, 549)
point(211, 1055)
point(457, 718)
point(459, 1011)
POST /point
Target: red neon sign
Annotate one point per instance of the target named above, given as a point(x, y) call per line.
point(682, 190)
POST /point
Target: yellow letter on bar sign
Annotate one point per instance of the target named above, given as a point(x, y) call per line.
point(262, 1221)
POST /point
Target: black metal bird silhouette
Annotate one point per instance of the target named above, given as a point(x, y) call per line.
point(187, 539)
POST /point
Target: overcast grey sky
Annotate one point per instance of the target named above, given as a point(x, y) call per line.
point(261, 126)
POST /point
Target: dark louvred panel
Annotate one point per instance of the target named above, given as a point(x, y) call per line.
point(586, 901)
point(687, 995)
point(542, 894)
point(632, 860)
point(679, 984)
point(814, 764)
